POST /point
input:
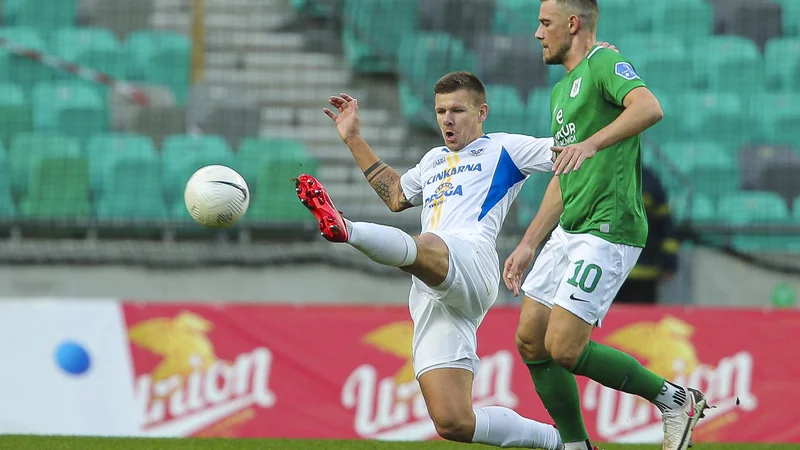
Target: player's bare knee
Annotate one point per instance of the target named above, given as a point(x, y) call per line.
point(529, 349)
point(563, 354)
point(455, 427)
point(433, 260)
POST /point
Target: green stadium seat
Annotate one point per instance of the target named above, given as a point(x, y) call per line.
point(119, 201)
point(697, 209)
point(97, 48)
point(655, 58)
point(309, 8)
point(275, 200)
point(359, 54)
point(372, 31)
point(182, 155)
point(19, 69)
point(782, 57)
point(413, 107)
point(728, 63)
point(161, 57)
point(106, 151)
point(15, 113)
point(44, 15)
point(516, 17)
point(425, 57)
point(708, 168)
point(73, 109)
point(790, 15)
point(717, 117)
point(626, 16)
point(755, 208)
point(8, 208)
point(530, 197)
point(508, 112)
point(58, 188)
point(671, 124)
point(778, 115)
point(253, 152)
point(684, 19)
point(28, 148)
point(555, 74)
point(539, 115)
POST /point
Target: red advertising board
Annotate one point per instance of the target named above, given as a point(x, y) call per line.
point(345, 372)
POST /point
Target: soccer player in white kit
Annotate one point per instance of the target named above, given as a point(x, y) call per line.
point(465, 189)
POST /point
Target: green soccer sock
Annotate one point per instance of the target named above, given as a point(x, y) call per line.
point(558, 391)
point(618, 370)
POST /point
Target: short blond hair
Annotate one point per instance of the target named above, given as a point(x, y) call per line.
point(587, 10)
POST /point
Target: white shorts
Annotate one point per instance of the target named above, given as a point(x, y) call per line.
point(446, 317)
point(581, 273)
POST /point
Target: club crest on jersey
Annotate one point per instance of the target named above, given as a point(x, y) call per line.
point(439, 161)
point(444, 190)
point(576, 88)
point(476, 152)
point(625, 70)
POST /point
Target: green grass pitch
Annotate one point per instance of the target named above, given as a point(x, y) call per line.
point(75, 443)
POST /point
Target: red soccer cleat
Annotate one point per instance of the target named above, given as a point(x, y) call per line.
point(314, 196)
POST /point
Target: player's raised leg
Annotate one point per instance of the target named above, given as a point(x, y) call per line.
point(424, 256)
point(448, 395)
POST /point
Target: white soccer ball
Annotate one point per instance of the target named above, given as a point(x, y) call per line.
point(216, 196)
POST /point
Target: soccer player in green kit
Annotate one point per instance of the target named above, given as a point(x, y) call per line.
point(594, 202)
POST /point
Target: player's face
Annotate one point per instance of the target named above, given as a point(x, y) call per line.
point(460, 118)
point(554, 33)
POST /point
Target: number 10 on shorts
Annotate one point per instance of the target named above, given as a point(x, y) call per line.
point(586, 279)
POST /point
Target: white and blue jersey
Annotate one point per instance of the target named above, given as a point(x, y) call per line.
point(468, 193)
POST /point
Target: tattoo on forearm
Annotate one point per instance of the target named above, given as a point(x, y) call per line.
point(384, 190)
point(373, 168)
point(386, 183)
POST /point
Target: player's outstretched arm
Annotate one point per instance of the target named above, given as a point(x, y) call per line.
point(383, 179)
point(546, 219)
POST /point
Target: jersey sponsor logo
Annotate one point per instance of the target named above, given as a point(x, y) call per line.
point(476, 152)
point(560, 117)
point(444, 190)
point(566, 134)
point(439, 161)
point(576, 88)
point(450, 171)
point(625, 70)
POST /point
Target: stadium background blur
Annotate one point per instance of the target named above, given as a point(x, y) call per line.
point(92, 180)
point(91, 204)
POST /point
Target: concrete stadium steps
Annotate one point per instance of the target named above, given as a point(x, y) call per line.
point(288, 116)
point(275, 77)
point(290, 78)
point(255, 41)
point(223, 15)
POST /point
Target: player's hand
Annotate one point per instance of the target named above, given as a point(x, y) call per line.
point(347, 121)
point(608, 46)
point(572, 156)
point(516, 264)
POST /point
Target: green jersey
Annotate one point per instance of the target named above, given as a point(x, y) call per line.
point(604, 197)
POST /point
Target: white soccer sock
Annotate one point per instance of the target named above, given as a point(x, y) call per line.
point(502, 427)
point(384, 245)
point(671, 396)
